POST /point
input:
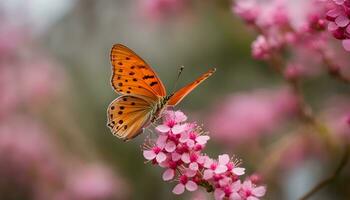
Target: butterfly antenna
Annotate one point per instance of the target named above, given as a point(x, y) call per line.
point(177, 78)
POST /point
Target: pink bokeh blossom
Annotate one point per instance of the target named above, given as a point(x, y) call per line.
point(245, 116)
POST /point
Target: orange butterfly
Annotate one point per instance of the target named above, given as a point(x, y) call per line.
point(143, 93)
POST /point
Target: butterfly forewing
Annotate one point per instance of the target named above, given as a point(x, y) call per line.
point(143, 93)
point(127, 115)
point(183, 92)
point(132, 75)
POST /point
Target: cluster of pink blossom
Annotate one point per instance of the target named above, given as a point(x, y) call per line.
point(338, 16)
point(178, 148)
point(282, 23)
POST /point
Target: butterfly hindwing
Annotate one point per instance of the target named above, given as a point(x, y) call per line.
point(132, 75)
point(183, 92)
point(127, 115)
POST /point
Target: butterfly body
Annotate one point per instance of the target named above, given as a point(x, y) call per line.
point(159, 107)
point(143, 95)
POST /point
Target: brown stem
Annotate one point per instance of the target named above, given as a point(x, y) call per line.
point(207, 186)
point(334, 69)
point(305, 111)
point(329, 179)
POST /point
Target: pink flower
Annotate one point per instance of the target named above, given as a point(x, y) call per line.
point(230, 192)
point(185, 182)
point(250, 191)
point(172, 123)
point(261, 48)
point(155, 153)
point(248, 10)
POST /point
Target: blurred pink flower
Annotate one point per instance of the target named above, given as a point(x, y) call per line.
point(245, 116)
point(39, 80)
point(248, 10)
point(160, 9)
point(261, 48)
point(9, 92)
point(92, 182)
point(32, 164)
point(11, 38)
point(28, 157)
point(336, 116)
point(28, 82)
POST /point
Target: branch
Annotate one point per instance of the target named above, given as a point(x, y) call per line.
point(305, 111)
point(329, 179)
point(333, 69)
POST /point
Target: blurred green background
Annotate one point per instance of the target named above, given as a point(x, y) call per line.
point(74, 38)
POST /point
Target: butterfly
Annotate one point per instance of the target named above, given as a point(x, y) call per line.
point(143, 95)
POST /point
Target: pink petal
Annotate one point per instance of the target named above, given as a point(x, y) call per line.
point(342, 20)
point(332, 26)
point(180, 116)
point(334, 13)
point(160, 157)
point(201, 160)
point(220, 169)
point(191, 186)
point(163, 128)
point(149, 154)
point(224, 181)
point(259, 191)
point(236, 186)
point(161, 141)
point(178, 128)
point(252, 198)
point(193, 166)
point(208, 174)
point(247, 185)
point(339, 2)
point(186, 158)
point(179, 189)
point(191, 173)
point(235, 196)
point(190, 143)
point(184, 137)
point(208, 162)
point(168, 174)
point(170, 147)
point(219, 194)
point(202, 139)
point(346, 44)
point(175, 156)
point(224, 159)
point(347, 29)
point(238, 171)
